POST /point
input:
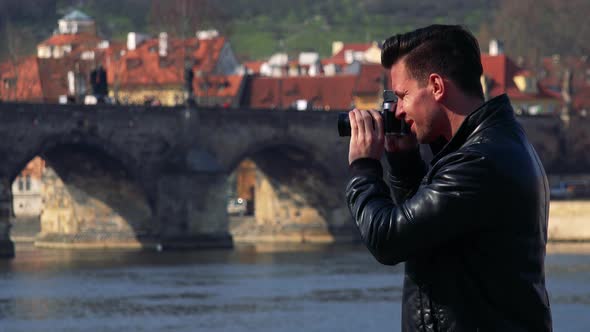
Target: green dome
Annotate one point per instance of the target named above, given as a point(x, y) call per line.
point(76, 15)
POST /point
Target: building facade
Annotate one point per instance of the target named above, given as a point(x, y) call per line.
point(27, 190)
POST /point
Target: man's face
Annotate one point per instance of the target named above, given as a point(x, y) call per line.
point(416, 104)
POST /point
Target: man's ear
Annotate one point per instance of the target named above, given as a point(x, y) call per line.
point(437, 86)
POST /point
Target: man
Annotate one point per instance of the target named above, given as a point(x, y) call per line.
point(471, 226)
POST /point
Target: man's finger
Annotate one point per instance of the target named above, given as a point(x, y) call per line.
point(353, 125)
point(360, 122)
point(378, 120)
point(368, 123)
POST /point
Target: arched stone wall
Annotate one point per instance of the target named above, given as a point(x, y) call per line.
point(181, 158)
point(297, 198)
point(91, 199)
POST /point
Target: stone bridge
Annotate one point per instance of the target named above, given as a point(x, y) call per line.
point(158, 176)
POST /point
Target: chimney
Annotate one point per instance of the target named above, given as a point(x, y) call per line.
point(71, 83)
point(207, 34)
point(103, 44)
point(348, 56)
point(134, 39)
point(131, 41)
point(496, 47)
point(337, 46)
point(163, 44)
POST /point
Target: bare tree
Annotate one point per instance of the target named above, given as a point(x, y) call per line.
point(14, 48)
point(181, 18)
point(533, 28)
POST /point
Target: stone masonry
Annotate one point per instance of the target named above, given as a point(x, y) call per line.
point(158, 176)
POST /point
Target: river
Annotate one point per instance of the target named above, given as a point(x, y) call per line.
point(275, 288)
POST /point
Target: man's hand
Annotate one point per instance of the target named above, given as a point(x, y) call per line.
point(366, 135)
point(398, 144)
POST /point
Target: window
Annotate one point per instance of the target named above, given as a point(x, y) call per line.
point(28, 183)
point(133, 63)
point(166, 62)
point(222, 86)
point(21, 184)
point(9, 82)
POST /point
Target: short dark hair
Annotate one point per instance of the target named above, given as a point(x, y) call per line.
point(449, 50)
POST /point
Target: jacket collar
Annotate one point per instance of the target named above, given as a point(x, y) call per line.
point(494, 108)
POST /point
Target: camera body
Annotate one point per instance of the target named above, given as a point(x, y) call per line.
point(391, 125)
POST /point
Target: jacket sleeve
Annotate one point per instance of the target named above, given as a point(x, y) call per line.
point(444, 207)
point(406, 169)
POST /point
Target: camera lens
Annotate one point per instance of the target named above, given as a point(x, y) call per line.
point(343, 124)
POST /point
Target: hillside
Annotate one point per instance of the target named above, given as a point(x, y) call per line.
point(258, 28)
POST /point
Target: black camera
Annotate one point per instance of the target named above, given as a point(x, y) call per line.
point(391, 125)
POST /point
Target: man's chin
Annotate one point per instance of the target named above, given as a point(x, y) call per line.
point(423, 139)
point(420, 138)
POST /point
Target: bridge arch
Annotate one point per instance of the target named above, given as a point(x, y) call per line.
point(295, 196)
point(93, 194)
point(49, 142)
point(264, 145)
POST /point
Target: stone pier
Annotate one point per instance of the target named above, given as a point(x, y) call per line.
point(569, 221)
point(6, 245)
point(192, 211)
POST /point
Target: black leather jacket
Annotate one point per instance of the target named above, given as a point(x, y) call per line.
point(471, 227)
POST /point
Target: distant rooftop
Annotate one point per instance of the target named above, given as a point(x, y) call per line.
point(76, 15)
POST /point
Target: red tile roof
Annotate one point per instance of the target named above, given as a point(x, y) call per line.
point(253, 66)
point(360, 47)
point(327, 92)
point(144, 66)
point(501, 70)
point(54, 73)
point(43, 80)
point(218, 86)
point(371, 79)
point(20, 81)
point(71, 39)
point(34, 168)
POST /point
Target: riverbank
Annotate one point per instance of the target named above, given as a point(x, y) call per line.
point(569, 221)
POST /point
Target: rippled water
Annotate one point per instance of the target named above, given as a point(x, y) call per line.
point(337, 288)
